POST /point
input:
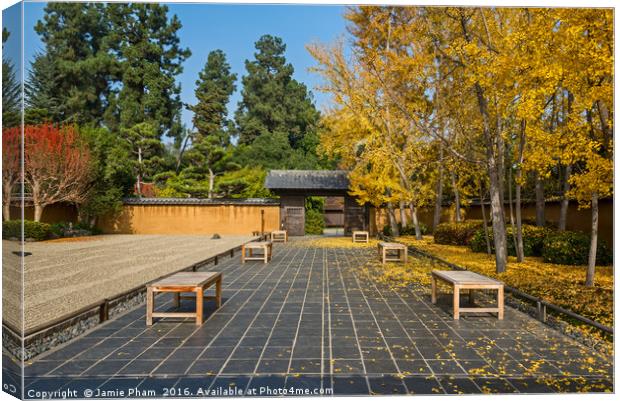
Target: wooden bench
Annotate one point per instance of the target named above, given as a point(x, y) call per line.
point(385, 247)
point(360, 236)
point(466, 280)
point(247, 251)
point(279, 236)
point(196, 282)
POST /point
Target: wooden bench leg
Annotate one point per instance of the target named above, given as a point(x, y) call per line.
point(150, 305)
point(199, 303)
point(218, 293)
point(433, 290)
point(177, 299)
point(456, 301)
point(500, 303)
point(405, 255)
point(242, 253)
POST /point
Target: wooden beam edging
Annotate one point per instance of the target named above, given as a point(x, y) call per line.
point(102, 307)
point(541, 304)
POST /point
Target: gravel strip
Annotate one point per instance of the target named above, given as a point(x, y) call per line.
point(63, 276)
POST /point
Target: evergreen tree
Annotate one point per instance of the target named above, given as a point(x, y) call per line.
point(272, 101)
point(146, 45)
point(147, 150)
point(75, 37)
point(11, 91)
point(112, 170)
point(208, 155)
point(42, 99)
point(213, 89)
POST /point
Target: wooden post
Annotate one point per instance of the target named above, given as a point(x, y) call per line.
point(242, 253)
point(199, 303)
point(262, 221)
point(433, 289)
point(150, 305)
point(500, 302)
point(456, 301)
point(218, 292)
point(177, 299)
point(104, 311)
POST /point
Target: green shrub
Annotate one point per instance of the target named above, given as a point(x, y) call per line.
point(387, 230)
point(456, 233)
point(32, 229)
point(11, 229)
point(315, 223)
point(66, 229)
point(409, 229)
point(533, 238)
point(573, 248)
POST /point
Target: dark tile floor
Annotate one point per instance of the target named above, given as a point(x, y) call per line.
point(313, 322)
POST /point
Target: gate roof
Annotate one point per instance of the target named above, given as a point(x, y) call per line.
point(307, 180)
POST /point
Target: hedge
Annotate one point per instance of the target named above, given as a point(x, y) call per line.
point(315, 223)
point(573, 248)
point(32, 229)
point(533, 238)
point(409, 229)
point(456, 233)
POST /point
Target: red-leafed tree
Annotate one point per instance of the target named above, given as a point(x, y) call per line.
point(11, 166)
point(56, 166)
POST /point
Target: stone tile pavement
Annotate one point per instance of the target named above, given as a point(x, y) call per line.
point(313, 322)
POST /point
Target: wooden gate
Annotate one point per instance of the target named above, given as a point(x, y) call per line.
point(294, 220)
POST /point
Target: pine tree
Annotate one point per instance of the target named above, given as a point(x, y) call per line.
point(42, 99)
point(213, 89)
point(145, 43)
point(147, 149)
point(208, 154)
point(272, 101)
point(75, 37)
point(11, 91)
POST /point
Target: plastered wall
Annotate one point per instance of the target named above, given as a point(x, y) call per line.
point(192, 219)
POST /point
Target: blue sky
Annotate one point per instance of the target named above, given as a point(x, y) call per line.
point(232, 28)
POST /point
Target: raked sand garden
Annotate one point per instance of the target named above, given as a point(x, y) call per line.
point(62, 276)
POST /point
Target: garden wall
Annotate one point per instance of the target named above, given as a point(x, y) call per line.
point(577, 220)
point(193, 216)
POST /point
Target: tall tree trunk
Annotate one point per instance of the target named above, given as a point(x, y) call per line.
point(457, 198)
point(211, 183)
point(511, 209)
point(392, 219)
point(497, 216)
point(6, 210)
point(139, 177)
point(593, 242)
point(495, 185)
point(416, 222)
point(403, 214)
point(485, 223)
point(494, 154)
point(437, 215)
point(38, 211)
point(519, 249)
point(181, 152)
point(540, 201)
point(564, 203)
